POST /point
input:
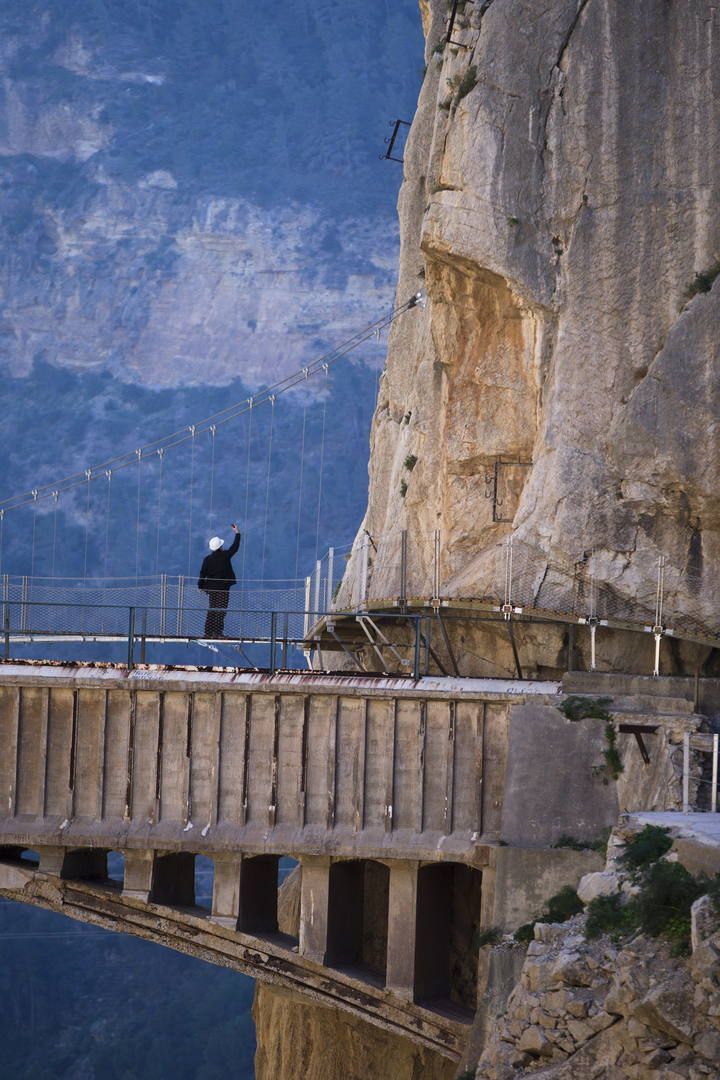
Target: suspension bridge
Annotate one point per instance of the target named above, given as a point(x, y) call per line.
point(391, 614)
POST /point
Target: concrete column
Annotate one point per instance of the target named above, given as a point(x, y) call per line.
point(402, 926)
point(314, 893)
point(82, 865)
point(139, 872)
point(51, 860)
point(226, 890)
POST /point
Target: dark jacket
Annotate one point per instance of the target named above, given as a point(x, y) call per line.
point(216, 572)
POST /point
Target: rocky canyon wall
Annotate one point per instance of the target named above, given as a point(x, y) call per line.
point(560, 207)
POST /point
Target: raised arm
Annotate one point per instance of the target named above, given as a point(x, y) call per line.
point(232, 550)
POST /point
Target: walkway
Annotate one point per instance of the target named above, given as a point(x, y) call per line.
point(702, 828)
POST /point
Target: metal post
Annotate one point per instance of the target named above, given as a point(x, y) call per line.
point(23, 605)
point(436, 569)
point(364, 568)
point(273, 641)
point(593, 630)
point(284, 654)
point(686, 772)
point(713, 797)
point(131, 640)
point(163, 604)
point(659, 601)
point(143, 635)
point(306, 615)
point(416, 658)
point(507, 608)
point(180, 603)
point(658, 639)
point(403, 570)
point(331, 571)
point(316, 600)
point(6, 613)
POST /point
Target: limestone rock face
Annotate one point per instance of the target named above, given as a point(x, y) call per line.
point(593, 1009)
point(561, 194)
point(600, 883)
point(626, 1007)
point(296, 1038)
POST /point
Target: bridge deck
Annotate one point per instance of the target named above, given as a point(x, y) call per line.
point(406, 803)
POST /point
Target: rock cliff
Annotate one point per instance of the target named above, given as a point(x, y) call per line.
point(619, 1004)
point(560, 206)
point(594, 1009)
point(297, 1038)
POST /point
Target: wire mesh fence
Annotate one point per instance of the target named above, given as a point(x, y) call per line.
point(512, 576)
point(524, 576)
point(322, 585)
point(163, 608)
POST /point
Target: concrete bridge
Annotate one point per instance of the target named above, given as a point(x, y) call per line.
point(408, 806)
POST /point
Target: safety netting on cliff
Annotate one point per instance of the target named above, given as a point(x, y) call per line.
point(514, 576)
point(574, 588)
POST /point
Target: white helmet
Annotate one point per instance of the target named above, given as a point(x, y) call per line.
point(215, 543)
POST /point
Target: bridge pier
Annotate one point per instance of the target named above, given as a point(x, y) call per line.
point(82, 865)
point(314, 898)
point(402, 920)
point(226, 890)
point(138, 879)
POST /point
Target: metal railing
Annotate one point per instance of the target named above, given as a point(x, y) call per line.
point(280, 632)
point(514, 579)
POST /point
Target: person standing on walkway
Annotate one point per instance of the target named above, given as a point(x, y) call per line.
point(216, 579)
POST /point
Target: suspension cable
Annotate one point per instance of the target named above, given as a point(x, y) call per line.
point(161, 455)
point(267, 489)
point(224, 416)
point(192, 486)
point(108, 475)
point(247, 490)
point(211, 512)
point(300, 489)
point(34, 527)
point(137, 516)
point(88, 476)
point(56, 496)
point(2, 538)
point(320, 478)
